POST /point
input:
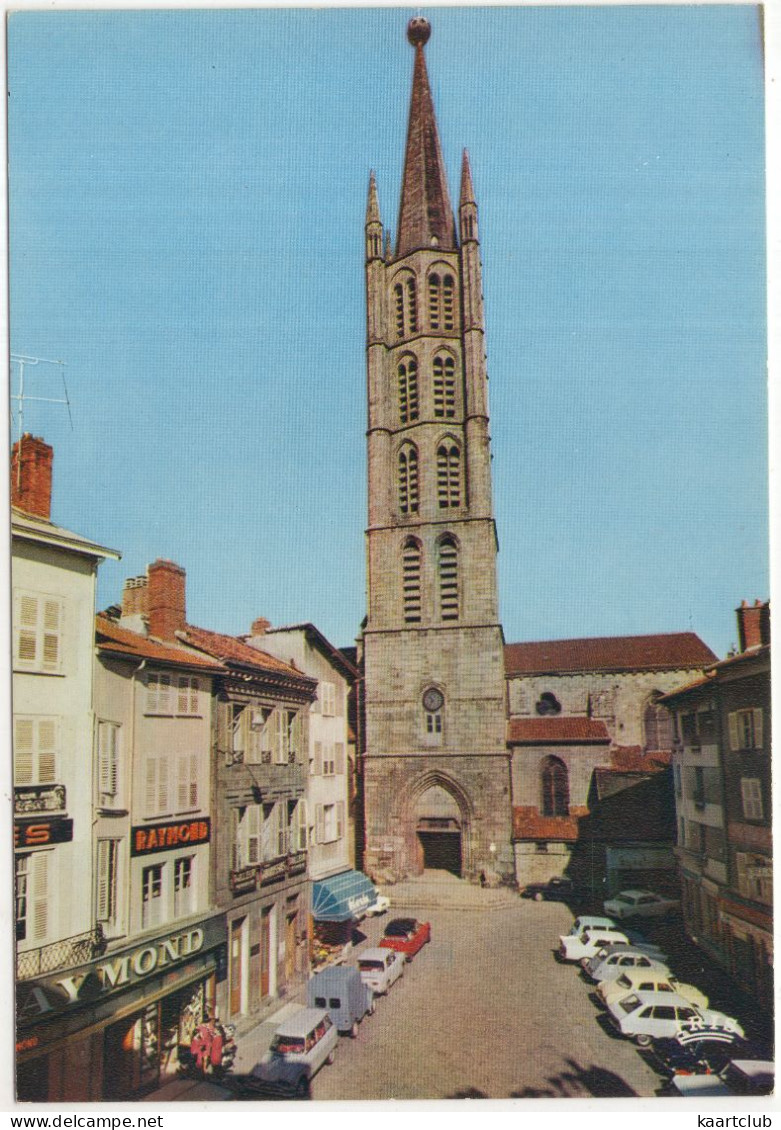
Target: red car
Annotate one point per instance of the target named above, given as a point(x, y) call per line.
point(406, 935)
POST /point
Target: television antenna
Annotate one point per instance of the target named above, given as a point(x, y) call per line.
point(21, 396)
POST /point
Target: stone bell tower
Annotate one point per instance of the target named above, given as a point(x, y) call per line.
point(437, 779)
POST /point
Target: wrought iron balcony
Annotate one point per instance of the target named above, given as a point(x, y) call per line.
point(38, 798)
point(65, 954)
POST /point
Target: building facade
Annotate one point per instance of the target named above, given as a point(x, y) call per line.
point(723, 807)
point(436, 770)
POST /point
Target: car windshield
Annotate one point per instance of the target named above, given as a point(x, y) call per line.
point(629, 1004)
point(370, 966)
point(399, 929)
point(287, 1045)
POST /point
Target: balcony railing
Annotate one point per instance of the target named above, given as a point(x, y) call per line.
point(69, 952)
point(38, 798)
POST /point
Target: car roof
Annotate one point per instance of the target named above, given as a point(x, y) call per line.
point(407, 922)
point(634, 893)
point(375, 954)
point(646, 996)
point(754, 1067)
point(302, 1022)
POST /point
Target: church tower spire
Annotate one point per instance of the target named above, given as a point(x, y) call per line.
point(425, 215)
point(436, 754)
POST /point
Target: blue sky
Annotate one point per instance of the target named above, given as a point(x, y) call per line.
point(187, 197)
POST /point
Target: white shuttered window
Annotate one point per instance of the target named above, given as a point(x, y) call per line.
point(35, 750)
point(37, 632)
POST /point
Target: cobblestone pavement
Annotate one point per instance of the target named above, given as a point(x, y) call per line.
point(486, 1011)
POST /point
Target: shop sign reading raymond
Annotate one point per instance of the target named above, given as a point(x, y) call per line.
point(148, 838)
point(113, 972)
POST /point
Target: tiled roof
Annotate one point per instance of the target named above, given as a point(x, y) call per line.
point(556, 731)
point(634, 759)
point(229, 649)
point(528, 824)
point(119, 641)
point(608, 653)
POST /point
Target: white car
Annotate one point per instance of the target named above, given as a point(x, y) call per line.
point(585, 945)
point(589, 922)
point(380, 905)
point(644, 1017)
point(300, 1047)
point(380, 968)
point(741, 1077)
point(639, 904)
point(649, 981)
point(611, 961)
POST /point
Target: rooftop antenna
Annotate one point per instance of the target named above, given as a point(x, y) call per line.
point(20, 397)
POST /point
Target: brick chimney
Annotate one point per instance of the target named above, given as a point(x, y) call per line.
point(31, 476)
point(260, 627)
point(134, 597)
point(165, 599)
point(753, 624)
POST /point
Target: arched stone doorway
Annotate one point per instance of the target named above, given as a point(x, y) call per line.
point(438, 826)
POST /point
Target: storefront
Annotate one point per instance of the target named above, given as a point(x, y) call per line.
point(337, 904)
point(112, 1030)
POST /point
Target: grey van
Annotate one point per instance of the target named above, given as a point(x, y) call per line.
point(343, 994)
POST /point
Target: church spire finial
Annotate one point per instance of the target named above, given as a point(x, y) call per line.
point(425, 215)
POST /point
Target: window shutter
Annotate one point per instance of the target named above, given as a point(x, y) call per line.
point(183, 782)
point(28, 624)
point(103, 880)
point(194, 780)
point(47, 751)
point(734, 740)
point(183, 702)
point(319, 824)
point(340, 819)
point(301, 812)
point(255, 822)
point(150, 800)
point(340, 757)
point(758, 727)
point(51, 635)
point(23, 751)
point(318, 769)
point(40, 897)
point(152, 697)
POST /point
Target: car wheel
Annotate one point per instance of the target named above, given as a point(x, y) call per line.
point(538, 896)
point(643, 1041)
point(332, 1056)
point(302, 1088)
point(354, 1030)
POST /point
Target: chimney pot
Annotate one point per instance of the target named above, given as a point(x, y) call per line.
point(31, 476)
point(753, 624)
point(260, 626)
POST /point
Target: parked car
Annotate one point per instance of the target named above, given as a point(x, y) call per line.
point(300, 1047)
point(589, 922)
point(610, 961)
point(557, 889)
point(585, 945)
point(649, 981)
point(740, 1078)
point(706, 1051)
point(406, 935)
point(639, 904)
point(380, 968)
point(381, 905)
point(343, 993)
point(644, 1017)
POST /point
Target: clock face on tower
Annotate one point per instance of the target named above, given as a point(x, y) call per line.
point(433, 699)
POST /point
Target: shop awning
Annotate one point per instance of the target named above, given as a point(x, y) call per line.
point(342, 897)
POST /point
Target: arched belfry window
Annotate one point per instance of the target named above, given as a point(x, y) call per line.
point(408, 479)
point(448, 308)
point(447, 576)
point(448, 475)
point(555, 787)
point(444, 371)
point(658, 724)
point(441, 301)
point(405, 306)
point(408, 389)
point(434, 301)
point(411, 565)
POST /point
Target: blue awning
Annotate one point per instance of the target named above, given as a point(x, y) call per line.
point(342, 897)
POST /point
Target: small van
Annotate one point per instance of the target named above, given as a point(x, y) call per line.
point(343, 994)
point(590, 922)
point(300, 1047)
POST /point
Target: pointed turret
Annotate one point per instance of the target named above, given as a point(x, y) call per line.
point(373, 222)
point(467, 208)
point(425, 215)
